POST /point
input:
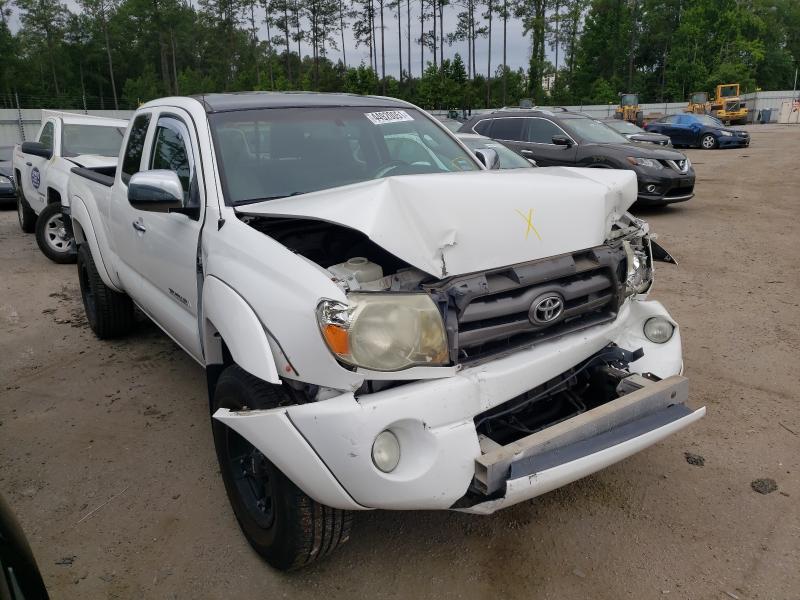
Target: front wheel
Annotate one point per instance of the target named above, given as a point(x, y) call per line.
point(284, 525)
point(110, 314)
point(25, 214)
point(51, 235)
point(708, 142)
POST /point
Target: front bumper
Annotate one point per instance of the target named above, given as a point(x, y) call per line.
point(733, 141)
point(325, 447)
point(7, 191)
point(665, 186)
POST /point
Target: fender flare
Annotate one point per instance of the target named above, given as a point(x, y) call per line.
point(228, 316)
point(84, 233)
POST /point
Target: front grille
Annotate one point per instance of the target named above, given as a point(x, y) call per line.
point(681, 166)
point(679, 192)
point(490, 313)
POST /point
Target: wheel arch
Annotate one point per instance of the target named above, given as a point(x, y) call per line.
point(232, 333)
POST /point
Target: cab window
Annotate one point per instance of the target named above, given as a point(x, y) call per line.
point(541, 131)
point(171, 150)
point(132, 159)
point(46, 136)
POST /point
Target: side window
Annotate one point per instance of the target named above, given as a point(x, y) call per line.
point(171, 150)
point(46, 137)
point(132, 159)
point(508, 129)
point(541, 131)
point(483, 127)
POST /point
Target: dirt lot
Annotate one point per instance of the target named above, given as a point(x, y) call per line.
point(106, 452)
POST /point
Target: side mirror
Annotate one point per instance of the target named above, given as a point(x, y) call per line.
point(562, 140)
point(489, 157)
point(37, 149)
point(159, 190)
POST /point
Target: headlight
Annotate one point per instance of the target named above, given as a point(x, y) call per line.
point(658, 330)
point(384, 332)
point(4, 179)
point(726, 133)
point(645, 162)
point(688, 163)
point(639, 275)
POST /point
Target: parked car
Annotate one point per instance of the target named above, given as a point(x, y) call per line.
point(636, 134)
point(379, 333)
point(506, 158)
point(699, 131)
point(563, 138)
point(8, 192)
point(41, 170)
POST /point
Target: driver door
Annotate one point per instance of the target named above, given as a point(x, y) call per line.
point(33, 182)
point(160, 249)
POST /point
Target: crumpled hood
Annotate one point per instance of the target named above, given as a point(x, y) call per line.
point(456, 223)
point(92, 161)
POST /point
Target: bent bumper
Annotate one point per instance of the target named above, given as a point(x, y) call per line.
point(325, 447)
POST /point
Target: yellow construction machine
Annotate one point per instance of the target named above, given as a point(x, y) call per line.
point(727, 106)
point(698, 104)
point(629, 110)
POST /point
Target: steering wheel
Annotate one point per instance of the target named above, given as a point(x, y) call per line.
point(390, 166)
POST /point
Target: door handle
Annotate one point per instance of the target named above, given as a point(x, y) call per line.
point(28, 164)
point(139, 227)
point(528, 152)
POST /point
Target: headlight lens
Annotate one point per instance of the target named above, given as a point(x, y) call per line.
point(4, 179)
point(726, 133)
point(645, 162)
point(384, 332)
point(386, 451)
point(658, 330)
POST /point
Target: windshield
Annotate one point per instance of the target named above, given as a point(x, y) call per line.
point(508, 158)
point(101, 140)
point(266, 154)
point(699, 97)
point(709, 120)
point(629, 100)
point(729, 91)
point(624, 126)
point(591, 131)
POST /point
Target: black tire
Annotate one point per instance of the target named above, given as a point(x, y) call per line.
point(708, 142)
point(53, 239)
point(25, 214)
point(110, 314)
point(284, 525)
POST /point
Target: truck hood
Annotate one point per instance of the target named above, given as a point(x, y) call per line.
point(92, 161)
point(457, 223)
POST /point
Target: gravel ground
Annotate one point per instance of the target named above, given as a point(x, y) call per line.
point(106, 451)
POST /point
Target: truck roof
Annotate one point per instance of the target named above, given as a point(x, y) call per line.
point(254, 100)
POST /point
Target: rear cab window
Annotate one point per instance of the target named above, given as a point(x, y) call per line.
point(132, 159)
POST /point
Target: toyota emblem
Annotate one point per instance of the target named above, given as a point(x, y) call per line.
point(546, 309)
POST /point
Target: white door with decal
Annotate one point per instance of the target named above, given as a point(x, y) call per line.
point(33, 178)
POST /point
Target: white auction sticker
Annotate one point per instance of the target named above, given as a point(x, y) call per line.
point(388, 116)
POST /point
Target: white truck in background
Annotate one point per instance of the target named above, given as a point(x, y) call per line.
point(384, 322)
point(41, 169)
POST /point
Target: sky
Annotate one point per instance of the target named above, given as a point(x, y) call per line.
point(518, 45)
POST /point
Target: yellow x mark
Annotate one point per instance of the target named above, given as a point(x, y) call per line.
point(529, 221)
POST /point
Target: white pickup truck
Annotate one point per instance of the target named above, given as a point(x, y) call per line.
point(384, 322)
point(42, 168)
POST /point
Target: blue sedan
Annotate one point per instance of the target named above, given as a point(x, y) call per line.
point(700, 131)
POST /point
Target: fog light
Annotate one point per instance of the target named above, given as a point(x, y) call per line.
point(658, 330)
point(651, 188)
point(386, 451)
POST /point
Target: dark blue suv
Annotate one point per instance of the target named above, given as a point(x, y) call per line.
point(701, 131)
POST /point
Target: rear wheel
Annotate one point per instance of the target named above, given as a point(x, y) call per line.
point(25, 214)
point(708, 142)
point(110, 314)
point(284, 525)
point(52, 236)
